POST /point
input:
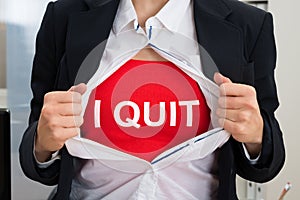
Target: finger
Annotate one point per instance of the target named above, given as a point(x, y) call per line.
point(69, 121)
point(235, 128)
point(68, 109)
point(234, 115)
point(80, 88)
point(64, 134)
point(220, 79)
point(71, 132)
point(62, 97)
point(235, 89)
point(226, 114)
point(230, 102)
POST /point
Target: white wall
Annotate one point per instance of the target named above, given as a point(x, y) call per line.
point(22, 20)
point(2, 56)
point(287, 28)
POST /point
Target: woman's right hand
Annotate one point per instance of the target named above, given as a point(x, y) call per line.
point(60, 120)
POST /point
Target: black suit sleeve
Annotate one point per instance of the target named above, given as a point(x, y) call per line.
point(272, 155)
point(42, 81)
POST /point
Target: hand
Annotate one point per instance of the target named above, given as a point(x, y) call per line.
point(59, 120)
point(239, 113)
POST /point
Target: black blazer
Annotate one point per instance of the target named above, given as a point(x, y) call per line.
point(239, 38)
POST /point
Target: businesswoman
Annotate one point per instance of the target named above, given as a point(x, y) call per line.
point(239, 39)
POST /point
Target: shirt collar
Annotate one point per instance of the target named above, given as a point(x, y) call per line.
point(170, 15)
point(125, 15)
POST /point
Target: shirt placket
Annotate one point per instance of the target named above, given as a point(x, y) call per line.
point(148, 186)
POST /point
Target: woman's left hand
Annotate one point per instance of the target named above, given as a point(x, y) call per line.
point(239, 113)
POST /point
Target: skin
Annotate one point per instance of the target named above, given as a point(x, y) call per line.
point(60, 116)
point(239, 113)
point(59, 120)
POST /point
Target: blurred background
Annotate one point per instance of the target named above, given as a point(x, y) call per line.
point(19, 23)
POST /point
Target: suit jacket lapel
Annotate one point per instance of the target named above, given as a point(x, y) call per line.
point(92, 4)
point(221, 49)
point(87, 30)
point(221, 41)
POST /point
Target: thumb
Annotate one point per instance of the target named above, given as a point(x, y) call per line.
point(80, 88)
point(220, 79)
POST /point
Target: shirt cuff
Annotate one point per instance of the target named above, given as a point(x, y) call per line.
point(252, 161)
point(43, 165)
